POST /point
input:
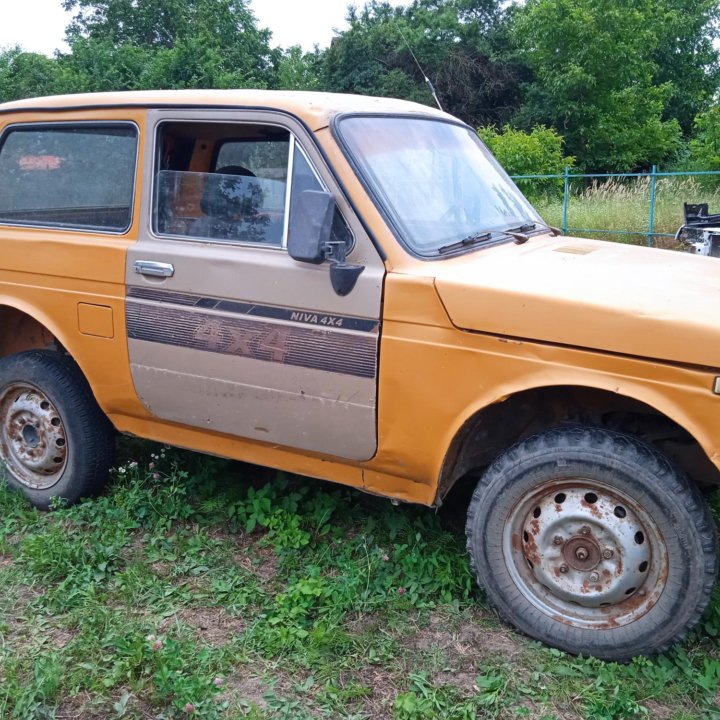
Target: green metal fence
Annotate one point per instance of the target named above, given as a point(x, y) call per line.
point(653, 175)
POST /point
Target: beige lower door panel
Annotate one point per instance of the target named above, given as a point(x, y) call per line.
point(312, 410)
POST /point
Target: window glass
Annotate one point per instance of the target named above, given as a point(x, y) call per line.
point(222, 182)
point(304, 178)
point(78, 176)
point(435, 180)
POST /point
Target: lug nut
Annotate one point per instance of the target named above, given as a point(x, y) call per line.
point(607, 553)
point(557, 540)
point(563, 568)
point(584, 530)
point(581, 553)
point(594, 577)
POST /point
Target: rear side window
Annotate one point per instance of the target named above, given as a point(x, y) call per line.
point(68, 176)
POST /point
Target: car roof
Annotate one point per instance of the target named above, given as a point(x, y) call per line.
point(314, 108)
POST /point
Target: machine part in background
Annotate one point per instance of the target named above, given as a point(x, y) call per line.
point(701, 232)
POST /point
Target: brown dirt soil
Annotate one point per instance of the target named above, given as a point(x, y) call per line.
point(211, 624)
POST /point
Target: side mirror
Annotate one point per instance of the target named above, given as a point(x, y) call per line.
point(310, 239)
point(311, 226)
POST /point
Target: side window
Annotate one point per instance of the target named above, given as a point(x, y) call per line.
point(222, 182)
point(69, 176)
point(304, 178)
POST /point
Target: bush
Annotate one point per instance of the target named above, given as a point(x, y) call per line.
point(539, 152)
point(704, 148)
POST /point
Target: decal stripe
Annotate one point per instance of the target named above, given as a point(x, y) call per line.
point(305, 317)
point(313, 346)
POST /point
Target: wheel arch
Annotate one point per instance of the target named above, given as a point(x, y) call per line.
point(492, 428)
point(26, 327)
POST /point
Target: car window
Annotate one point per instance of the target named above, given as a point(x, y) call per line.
point(222, 182)
point(304, 178)
point(69, 176)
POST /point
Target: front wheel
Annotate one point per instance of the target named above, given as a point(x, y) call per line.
point(592, 542)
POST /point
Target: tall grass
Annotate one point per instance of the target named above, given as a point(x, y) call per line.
point(616, 204)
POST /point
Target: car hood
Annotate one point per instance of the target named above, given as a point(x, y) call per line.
point(589, 293)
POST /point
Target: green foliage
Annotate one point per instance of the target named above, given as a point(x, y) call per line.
point(594, 80)
point(622, 83)
point(686, 55)
point(201, 588)
point(538, 152)
point(704, 148)
point(460, 45)
point(297, 70)
point(24, 74)
point(120, 45)
point(625, 205)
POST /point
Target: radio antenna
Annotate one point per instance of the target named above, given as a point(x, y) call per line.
point(417, 62)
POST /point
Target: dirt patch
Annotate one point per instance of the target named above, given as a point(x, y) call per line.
point(382, 691)
point(659, 712)
point(244, 688)
point(84, 707)
point(260, 560)
point(211, 624)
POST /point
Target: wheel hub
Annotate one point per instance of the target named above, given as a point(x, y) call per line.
point(33, 443)
point(586, 553)
point(582, 553)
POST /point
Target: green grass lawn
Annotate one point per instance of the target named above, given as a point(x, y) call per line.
point(612, 205)
point(201, 588)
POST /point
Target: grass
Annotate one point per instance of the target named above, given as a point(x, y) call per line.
point(201, 588)
point(614, 205)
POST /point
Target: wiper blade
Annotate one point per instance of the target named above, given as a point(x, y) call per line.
point(465, 242)
point(527, 227)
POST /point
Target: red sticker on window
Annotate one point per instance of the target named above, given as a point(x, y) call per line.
point(40, 162)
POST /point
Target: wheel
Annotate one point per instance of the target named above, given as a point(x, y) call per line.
point(592, 542)
point(55, 442)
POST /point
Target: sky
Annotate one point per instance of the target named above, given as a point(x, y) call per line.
point(39, 25)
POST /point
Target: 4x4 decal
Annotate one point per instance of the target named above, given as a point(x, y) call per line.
point(187, 323)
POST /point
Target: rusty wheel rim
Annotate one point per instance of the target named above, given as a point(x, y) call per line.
point(585, 554)
point(33, 441)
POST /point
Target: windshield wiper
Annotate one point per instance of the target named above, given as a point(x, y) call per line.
point(528, 227)
point(465, 242)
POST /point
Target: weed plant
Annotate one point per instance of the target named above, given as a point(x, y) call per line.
point(625, 205)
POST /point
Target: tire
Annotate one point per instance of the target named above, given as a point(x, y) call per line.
point(591, 541)
point(55, 441)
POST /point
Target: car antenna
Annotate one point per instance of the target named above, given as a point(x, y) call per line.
point(427, 79)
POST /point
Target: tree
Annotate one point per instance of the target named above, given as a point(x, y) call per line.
point(686, 55)
point(704, 148)
point(24, 74)
point(124, 44)
point(458, 43)
point(297, 70)
point(539, 152)
point(595, 80)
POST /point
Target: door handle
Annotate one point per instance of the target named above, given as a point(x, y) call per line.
point(153, 268)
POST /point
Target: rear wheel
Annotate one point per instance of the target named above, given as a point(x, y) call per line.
point(591, 541)
point(55, 442)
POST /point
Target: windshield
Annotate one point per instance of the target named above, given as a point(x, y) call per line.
point(436, 180)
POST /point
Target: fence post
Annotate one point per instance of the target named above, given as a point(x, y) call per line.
point(651, 221)
point(566, 197)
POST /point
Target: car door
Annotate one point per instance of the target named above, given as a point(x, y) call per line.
point(227, 332)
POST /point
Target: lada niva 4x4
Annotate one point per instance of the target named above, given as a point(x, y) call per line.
point(353, 289)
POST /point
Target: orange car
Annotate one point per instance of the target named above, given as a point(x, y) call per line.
point(352, 289)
